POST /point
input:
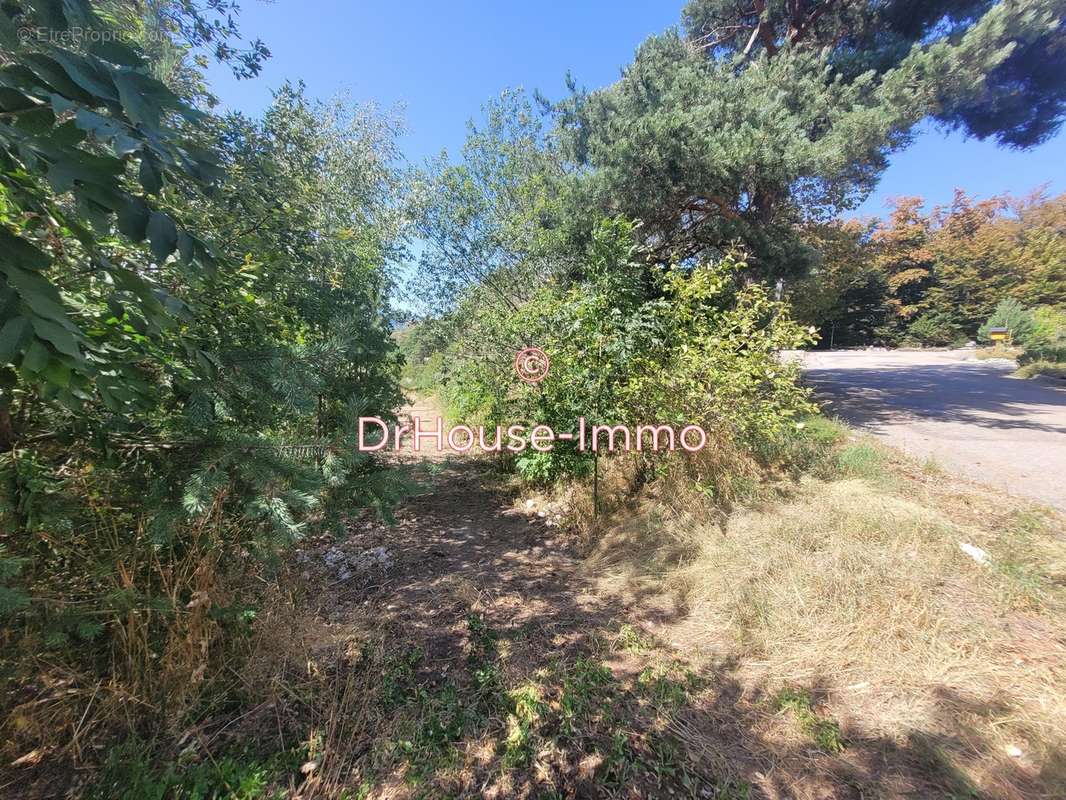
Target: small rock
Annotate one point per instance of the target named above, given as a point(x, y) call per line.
point(1014, 751)
point(974, 552)
point(529, 504)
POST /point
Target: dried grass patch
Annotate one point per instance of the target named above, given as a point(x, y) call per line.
point(858, 587)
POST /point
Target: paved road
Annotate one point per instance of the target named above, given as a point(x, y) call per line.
point(967, 414)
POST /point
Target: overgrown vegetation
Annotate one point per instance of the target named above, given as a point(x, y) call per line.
point(196, 307)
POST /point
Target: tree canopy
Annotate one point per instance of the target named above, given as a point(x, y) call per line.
point(757, 117)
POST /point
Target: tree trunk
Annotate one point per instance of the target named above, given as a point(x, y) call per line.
point(7, 429)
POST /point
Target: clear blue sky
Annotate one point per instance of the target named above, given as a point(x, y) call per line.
point(442, 59)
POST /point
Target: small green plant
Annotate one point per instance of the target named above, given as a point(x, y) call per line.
point(629, 638)
point(619, 761)
point(667, 687)
point(398, 678)
point(131, 773)
point(825, 732)
point(587, 692)
point(527, 708)
point(482, 659)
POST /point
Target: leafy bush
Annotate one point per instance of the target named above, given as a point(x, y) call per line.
point(1047, 368)
point(1049, 328)
point(1051, 355)
point(1011, 314)
point(192, 312)
point(934, 329)
point(629, 346)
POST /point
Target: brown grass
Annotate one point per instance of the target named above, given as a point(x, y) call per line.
point(858, 586)
point(999, 351)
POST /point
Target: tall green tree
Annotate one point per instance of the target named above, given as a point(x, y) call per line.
point(760, 116)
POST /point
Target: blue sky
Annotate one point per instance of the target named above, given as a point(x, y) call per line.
point(442, 59)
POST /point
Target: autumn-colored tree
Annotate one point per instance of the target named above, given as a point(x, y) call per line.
point(933, 277)
point(902, 251)
point(845, 294)
point(1039, 257)
point(972, 248)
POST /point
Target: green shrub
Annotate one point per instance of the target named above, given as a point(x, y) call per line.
point(631, 346)
point(1011, 314)
point(1049, 328)
point(1051, 355)
point(934, 329)
point(1046, 368)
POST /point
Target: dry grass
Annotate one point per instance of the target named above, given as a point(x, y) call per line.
point(858, 586)
point(1046, 368)
point(999, 351)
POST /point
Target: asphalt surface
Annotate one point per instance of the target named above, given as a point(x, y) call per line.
point(968, 415)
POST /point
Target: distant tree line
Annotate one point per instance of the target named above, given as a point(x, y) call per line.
point(933, 277)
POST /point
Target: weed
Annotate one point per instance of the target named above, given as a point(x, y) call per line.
point(619, 761)
point(398, 678)
point(931, 467)
point(732, 790)
point(527, 708)
point(825, 732)
point(482, 659)
point(861, 460)
point(665, 687)
point(629, 638)
point(587, 691)
point(130, 773)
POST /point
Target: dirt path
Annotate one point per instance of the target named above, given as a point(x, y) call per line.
point(491, 632)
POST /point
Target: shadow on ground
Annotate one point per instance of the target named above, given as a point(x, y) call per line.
point(523, 682)
point(977, 394)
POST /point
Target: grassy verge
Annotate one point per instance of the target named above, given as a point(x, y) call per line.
point(849, 597)
point(999, 351)
point(1045, 368)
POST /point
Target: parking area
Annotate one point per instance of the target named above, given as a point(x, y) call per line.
point(968, 415)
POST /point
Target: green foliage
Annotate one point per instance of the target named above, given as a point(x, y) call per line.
point(751, 122)
point(934, 278)
point(628, 346)
point(491, 223)
point(1014, 316)
point(1044, 355)
point(934, 328)
point(1049, 329)
point(131, 774)
point(861, 460)
point(193, 312)
point(824, 731)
